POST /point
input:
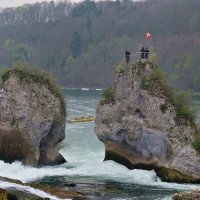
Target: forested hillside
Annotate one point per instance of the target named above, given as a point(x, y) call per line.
point(80, 43)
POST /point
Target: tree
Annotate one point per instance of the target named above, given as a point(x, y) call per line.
point(83, 8)
point(76, 45)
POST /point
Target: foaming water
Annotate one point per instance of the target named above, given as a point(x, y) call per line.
point(102, 171)
point(6, 185)
point(25, 173)
point(85, 154)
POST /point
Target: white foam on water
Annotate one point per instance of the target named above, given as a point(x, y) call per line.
point(25, 173)
point(98, 89)
point(85, 89)
point(102, 171)
point(37, 192)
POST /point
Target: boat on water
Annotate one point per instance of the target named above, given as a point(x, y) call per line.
point(82, 118)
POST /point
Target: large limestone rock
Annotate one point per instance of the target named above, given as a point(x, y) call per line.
point(32, 120)
point(141, 128)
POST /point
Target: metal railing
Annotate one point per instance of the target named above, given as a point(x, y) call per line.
point(136, 56)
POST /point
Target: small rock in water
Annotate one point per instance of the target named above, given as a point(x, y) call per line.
point(70, 184)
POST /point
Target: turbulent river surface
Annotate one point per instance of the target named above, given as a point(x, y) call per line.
point(85, 167)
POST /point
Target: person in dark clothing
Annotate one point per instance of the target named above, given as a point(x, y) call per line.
point(147, 53)
point(127, 56)
point(142, 50)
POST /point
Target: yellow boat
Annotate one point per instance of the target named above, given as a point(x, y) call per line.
point(84, 118)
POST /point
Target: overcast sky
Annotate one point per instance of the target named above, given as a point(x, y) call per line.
point(12, 3)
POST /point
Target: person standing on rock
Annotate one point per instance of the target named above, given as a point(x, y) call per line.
point(147, 53)
point(127, 56)
point(142, 51)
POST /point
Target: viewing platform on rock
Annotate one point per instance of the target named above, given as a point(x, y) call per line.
point(136, 56)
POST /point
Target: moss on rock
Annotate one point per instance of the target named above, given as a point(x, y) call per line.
point(173, 175)
point(196, 143)
point(157, 85)
point(3, 194)
point(27, 72)
point(120, 68)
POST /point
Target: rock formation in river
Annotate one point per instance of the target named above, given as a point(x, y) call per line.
point(193, 195)
point(16, 190)
point(32, 118)
point(144, 126)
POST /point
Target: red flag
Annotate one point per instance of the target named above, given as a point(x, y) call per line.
point(148, 35)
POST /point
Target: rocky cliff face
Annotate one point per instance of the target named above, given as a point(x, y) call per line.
point(32, 120)
point(141, 128)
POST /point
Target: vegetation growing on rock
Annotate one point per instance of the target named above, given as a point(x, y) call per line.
point(173, 175)
point(28, 72)
point(108, 96)
point(180, 100)
point(3, 194)
point(196, 143)
point(120, 68)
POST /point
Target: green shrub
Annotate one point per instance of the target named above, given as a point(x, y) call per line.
point(120, 68)
point(108, 96)
point(196, 143)
point(182, 105)
point(180, 100)
point(28, 72)
point(145, 84)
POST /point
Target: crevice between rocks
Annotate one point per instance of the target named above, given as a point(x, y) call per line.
point(49, 154)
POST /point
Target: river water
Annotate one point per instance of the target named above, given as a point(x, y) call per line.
point(85, 167)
